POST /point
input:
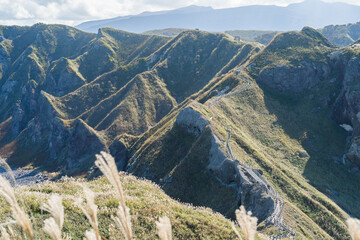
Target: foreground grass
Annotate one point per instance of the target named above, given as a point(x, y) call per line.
point(147, 202)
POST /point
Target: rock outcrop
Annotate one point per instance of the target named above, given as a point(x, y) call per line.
point(253, 191)
point(192, 120)
point(292, 78)
point(346, 109)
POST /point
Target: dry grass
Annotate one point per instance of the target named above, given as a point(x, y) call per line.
point(18, 213)
point(164, 228)
point(53, 226)
point(93, 209)
point(106, 163)
point(247, 223)
point(90, 212)
point(354, 228)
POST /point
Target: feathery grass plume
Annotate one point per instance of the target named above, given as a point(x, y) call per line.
point(90, 235)
point(164, 228)
point(56, 209)
point(246, 222)
point(106, 163)
point(4, 234)
point(354, 228)
point(91, 210)
point(52, 228)
point(18, 213)
point(123, 222)
point(7, 168)
point(236, 231)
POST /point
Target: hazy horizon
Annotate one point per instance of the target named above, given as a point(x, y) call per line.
point(29, 12)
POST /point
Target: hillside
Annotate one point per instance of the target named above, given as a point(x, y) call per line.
point(214, 122)
point(147, 203)
point(342, 35)
point(263, 37)
point(169, 32)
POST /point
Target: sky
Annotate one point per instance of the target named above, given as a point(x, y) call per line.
point(73, 12)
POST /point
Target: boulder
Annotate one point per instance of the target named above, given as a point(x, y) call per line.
point(192, 120)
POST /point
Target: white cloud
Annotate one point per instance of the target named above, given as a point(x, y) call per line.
point(27, 12)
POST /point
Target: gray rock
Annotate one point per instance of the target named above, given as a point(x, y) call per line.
point(253, 191)
point(301, 154)
point(192, 120)
point(121, 154)
point(294, 78)
point(354, 151)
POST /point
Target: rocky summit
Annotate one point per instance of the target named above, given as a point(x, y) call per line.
point(214, 122)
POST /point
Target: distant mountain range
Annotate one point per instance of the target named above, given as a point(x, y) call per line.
point(313, 13)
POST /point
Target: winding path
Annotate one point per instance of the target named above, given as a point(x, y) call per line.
point(275, 218)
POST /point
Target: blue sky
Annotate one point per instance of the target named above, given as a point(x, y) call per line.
point(72, 12)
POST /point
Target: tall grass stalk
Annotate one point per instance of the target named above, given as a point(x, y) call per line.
point(53, 226)
point(164, 228)
point(247, 223)
point(90, 211)
point(106, 163)
point(4, 234)
point(18, 213)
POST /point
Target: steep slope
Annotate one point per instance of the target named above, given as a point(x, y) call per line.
point(59, 59)
point(293, 61)
point(148, 76)
point(285, 132)
point(214, 122)
point(27, 55)
point(347, 105)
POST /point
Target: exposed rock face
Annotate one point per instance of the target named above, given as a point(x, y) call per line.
point(294, 78)
point(25, 108)
point(121, 154)
point(83, 144)
point(63, 83)
point(252, 189)
point(354, 151)
point(71, 143)
point(347, 106)
point(192, 120)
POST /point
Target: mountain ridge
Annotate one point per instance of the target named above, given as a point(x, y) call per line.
point(263, 17)
point(150, 102)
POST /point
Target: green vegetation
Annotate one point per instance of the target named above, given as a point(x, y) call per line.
point(168, 32)
point(66, 94)
point(263, 37)
point(147, 202)
point(342, 35)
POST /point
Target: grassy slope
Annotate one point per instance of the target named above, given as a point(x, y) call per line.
point(291, 49)
point(250, 35)
point(169, 32)
point(147, 202)
point(342, 35)
point(181, 70)
point(279, 128)
point(269, 129)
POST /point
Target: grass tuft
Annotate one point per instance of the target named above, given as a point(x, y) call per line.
point(164, 228)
